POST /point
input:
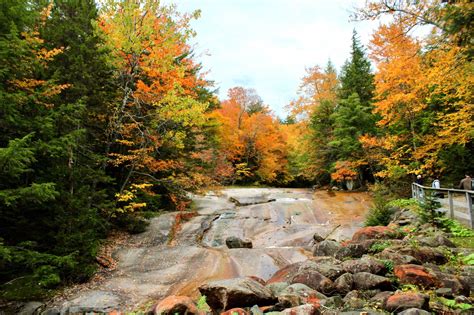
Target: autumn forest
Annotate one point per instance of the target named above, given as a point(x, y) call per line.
point(107, 118)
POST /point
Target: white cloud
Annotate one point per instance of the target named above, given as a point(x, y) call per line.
point(267, 44)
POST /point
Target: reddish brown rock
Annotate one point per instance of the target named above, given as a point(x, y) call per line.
point(259, 280)
point(176, 305)
point(405, 300)
point(235, 311)
point(285, 273)
point(375, 232)
point(416, 274)
point(306, 309)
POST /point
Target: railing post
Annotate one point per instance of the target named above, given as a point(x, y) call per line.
point(451, 205)
point(469, 209)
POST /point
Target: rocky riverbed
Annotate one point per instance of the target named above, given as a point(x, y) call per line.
point(280, 223)
point(281, 251)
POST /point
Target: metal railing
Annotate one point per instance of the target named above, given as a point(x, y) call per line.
point(458, 204)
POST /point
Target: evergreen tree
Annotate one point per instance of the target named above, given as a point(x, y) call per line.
point(353, 115)
point(322, 124)
point(356, 75)
point(28, 139)
point(350, 121)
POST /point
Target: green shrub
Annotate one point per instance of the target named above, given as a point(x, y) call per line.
point(202, 304)
point(381, 212)
point(454, 305)
point(379, 246)
point(455, 228)
point(428, 210)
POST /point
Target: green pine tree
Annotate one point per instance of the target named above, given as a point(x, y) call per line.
point(356, 74)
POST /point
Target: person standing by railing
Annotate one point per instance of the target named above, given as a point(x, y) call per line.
point(466, 183)
point(437, 184)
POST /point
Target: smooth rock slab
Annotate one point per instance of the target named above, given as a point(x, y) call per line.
point(30, 308)
point(239, 292)
point(94, 301)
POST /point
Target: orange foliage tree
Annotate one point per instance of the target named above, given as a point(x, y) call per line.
point(424, 92)
point(156, 127)
point(252, 144)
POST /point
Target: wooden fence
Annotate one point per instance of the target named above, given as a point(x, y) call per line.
point(456, 203)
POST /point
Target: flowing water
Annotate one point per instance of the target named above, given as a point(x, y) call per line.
point(279, 222)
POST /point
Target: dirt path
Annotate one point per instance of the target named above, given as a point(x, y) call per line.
point(279, 222)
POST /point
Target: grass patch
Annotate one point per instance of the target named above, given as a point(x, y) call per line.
point(463, 242)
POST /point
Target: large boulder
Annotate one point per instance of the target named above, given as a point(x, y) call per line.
point(416, 274)
point(368, 281)
point(467, 275)
point(313, 279)
point(381, 298)
point(401, 301)
point(235, 242)
point(307, 273)
point(326, 248)
point(396, 257)
point(375, 232)
point(457, 284)
point(277, 287)
point(285, 273)
point(365, 264)
point(436, 240)
point(414, 311)
point(423, 254)
point(302, 290)
point(239, 292)
point(306, 309)
point(327, 269)
point(344, 284)
point(176, 305)
point(354, 249)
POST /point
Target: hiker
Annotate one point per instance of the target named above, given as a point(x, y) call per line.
point(437, 184)
point(466, 183)
point(419, 180)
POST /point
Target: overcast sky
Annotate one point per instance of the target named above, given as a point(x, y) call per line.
point(267, 44)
